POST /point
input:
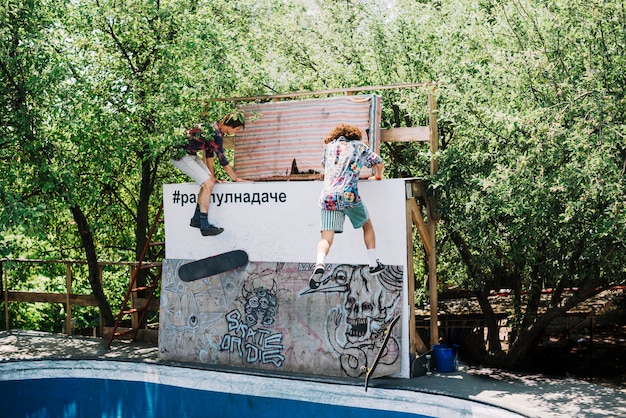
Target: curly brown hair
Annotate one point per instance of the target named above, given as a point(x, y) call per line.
point(350, 132)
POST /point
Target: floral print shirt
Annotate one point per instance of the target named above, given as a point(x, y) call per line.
point(342, 163)
point(214, 146)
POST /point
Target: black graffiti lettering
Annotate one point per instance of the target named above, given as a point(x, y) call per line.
point(247, 198)
point(306, 266)
point(253, 353)
point(229, 342)
point(274, 357)
point(261, 346)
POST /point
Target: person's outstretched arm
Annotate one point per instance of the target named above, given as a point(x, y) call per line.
point(379, 170)
point(229, 170)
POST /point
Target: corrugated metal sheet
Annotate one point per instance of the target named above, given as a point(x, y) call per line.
point(278, 133)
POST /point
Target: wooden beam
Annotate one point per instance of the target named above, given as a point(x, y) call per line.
point(434, 132)
point(80, 300)
point(416, 345)
point(345, 91)
point(422, 228)
point(412, 134)
point(68, 305)
point(432, 273)
point(100, 316)
point(5, 291)
point(427, 234)
point(134, 317)
point(432, 287)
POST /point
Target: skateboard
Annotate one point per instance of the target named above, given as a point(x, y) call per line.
point(370, 370)
point(213, 265)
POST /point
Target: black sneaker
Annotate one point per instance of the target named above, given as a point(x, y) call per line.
point(211, 230)
point(194, 223)
point(378, 269)
point(316, 277)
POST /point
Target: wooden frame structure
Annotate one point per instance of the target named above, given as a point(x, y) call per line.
point(68, 298)
point(420, 202)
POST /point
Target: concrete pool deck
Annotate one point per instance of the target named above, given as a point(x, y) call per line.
point(526, 394)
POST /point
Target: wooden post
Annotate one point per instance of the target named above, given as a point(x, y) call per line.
point(134, 317)
point(68, 291)
point(413, 217)
point(434, 132)
point(427, 234)
point(430, 206)
point(410, 279)
point(101, 319)
point(432, 286)
point(5, 288)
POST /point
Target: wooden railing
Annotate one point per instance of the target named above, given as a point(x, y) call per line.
point(67, 298)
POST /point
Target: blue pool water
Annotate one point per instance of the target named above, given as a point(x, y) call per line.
point(78, 397)
point(117, 389)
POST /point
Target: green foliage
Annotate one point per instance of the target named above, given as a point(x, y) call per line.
point(533, 178)
point(532, 115)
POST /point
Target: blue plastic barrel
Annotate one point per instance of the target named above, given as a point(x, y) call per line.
point(446, 357)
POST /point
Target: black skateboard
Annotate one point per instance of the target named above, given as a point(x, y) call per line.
point(211, 266)
point(370, 370)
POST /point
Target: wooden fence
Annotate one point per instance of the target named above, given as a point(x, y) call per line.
point(67, 298)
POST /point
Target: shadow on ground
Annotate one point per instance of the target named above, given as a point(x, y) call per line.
point(533, 395)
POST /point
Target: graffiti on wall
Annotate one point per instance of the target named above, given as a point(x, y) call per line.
point(249, 331)
point(355, 328)
point(264, 315)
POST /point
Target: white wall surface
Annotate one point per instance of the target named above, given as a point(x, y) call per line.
point(280, 222)
point(286, 229)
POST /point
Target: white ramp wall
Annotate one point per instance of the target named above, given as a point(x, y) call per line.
point(322, 331)
point(280, 221)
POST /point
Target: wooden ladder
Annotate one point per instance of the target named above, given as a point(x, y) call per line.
point(139, 312)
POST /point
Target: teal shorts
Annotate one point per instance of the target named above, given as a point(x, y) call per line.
point(332, 220)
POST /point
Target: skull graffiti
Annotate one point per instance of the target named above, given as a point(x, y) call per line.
point(363, 302)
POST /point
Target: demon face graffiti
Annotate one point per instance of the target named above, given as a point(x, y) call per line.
point(260, 305)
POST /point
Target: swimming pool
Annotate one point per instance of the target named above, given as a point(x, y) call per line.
point(106, 389)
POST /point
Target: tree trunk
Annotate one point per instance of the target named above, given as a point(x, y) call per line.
point(528, 338)
point(143, 207)
point(92, 264)
point(148, 172)
point(491, 321)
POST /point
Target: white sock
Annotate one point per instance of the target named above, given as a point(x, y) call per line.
point(320, 259)
point(371, 254)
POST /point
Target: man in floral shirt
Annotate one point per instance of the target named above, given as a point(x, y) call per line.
point(344, 156)
point(202, 171)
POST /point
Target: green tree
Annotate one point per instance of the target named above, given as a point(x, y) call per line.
point(94, 94)
point(532, 184)
point(41, 153)
point(531, 116)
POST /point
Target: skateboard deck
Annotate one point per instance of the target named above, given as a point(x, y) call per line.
point(370, 370)
point(213, 265)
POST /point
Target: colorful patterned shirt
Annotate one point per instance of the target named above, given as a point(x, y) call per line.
point(342, 163)
point(213, 146)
